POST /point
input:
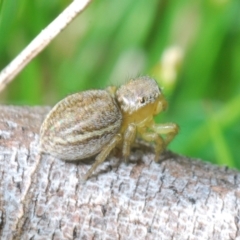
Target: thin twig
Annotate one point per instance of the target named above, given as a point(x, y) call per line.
point(41, 41)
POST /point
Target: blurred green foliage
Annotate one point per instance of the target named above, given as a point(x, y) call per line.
point(192, 48)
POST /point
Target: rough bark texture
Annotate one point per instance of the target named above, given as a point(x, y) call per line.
point(43, 198)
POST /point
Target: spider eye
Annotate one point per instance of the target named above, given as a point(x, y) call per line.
point(142, 100)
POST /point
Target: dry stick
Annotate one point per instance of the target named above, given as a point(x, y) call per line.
point(41, 41)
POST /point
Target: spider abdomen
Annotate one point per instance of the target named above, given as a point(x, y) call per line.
point(80, 125)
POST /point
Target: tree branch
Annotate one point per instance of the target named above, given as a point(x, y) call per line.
point(179, 198)
point(41, 41)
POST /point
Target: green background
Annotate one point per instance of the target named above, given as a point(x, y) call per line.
point(191, 47)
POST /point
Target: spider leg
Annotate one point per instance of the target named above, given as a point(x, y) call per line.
point(103, 155)
point(157, 139)
point(154, 135)
point(169, 129)
point(128, 138)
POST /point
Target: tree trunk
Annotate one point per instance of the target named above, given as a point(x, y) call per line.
point(44, 198)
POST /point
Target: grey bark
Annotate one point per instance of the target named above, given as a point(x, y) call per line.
point(44, 198)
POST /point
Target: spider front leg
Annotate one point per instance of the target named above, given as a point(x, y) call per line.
point(169, 129)
point(157, 139)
